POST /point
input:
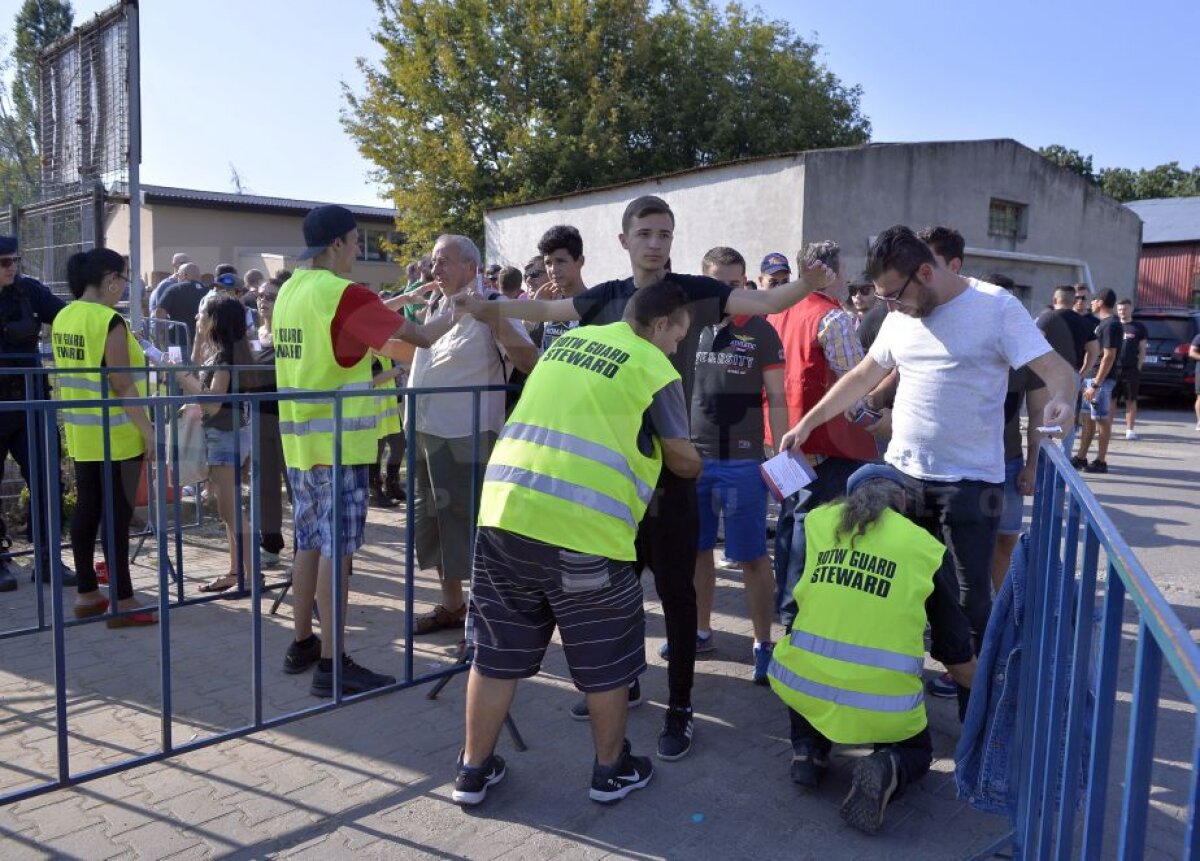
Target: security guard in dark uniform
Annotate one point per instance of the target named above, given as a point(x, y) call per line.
point(25, 306)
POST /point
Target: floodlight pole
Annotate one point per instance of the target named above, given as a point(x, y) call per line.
point(136, 287)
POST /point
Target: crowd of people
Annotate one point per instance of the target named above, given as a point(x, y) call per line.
point(646, 406)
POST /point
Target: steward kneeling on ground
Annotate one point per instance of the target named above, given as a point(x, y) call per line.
point(850, 668)
point(565, 488)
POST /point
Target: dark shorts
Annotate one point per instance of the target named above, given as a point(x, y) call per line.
point(523, 588)
point(1129, 380)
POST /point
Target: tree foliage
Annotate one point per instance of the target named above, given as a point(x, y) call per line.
point(37, 24)
point(477, 104)
point(1123, 184)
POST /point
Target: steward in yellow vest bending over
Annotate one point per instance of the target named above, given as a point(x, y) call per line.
point(850, 668)
point(324, 329)
point(565, 488)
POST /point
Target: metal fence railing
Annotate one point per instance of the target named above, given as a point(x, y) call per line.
point(42, 421)
point(1068, 725)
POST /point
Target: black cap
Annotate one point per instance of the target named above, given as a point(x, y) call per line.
point(324, 224)
point(8, 245)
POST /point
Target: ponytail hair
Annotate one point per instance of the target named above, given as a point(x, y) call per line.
point(88, 268)
point(865, 505)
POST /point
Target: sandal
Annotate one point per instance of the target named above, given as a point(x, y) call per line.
point(221, 584)
point(133, 620)
point(439, 619)
point(86, 611)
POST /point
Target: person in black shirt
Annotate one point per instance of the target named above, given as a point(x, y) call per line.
point(1083, 304)
point(1098, 389)
point(25, 306)
point(668, 534)
point(180, 303)
point(1129, 364)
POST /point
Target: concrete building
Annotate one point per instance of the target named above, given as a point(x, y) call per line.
point(1169, 269)
point(249, 231)
point(1021, 215)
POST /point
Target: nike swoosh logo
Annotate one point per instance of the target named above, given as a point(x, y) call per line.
point(635, 776)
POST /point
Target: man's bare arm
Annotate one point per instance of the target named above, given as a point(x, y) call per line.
point(845, 393)
point(517, 346)
point(1062, 384)
point(758, 302)
point(681, 457)
point(536, 310)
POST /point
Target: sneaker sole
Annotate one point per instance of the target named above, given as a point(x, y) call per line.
point(676, 756)
point(472, 798)
point(602, 797)
point(864, 805)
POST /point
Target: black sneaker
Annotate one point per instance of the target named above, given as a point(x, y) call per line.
point(675, 740)
point(8, 577)
point(874, 783)
point(808, 767)
point(471, 784)
point(301, 656)
point(611, 784)
point(68, 576)
point(1096, 466)
point(355, 679)
point(1079, 462)
point(579, 711)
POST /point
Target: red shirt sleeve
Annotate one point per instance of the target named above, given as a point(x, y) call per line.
point(361, 323)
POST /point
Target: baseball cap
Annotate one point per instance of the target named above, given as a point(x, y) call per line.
point(8, 245)
point(324, 224)
point(774, 262)
point(226, 280)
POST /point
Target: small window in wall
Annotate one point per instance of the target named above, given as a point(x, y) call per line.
point(370, 245)
point(1008, 219)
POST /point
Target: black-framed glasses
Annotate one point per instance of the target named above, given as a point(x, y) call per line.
point(895, 297)
point(7, 262)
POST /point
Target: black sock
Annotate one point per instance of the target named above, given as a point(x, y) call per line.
point(325, 665)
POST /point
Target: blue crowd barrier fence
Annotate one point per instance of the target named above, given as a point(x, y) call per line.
point(42, 417)
point(1066, 728)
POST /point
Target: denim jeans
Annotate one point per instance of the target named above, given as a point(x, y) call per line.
point(830, 484)
point(965, 516)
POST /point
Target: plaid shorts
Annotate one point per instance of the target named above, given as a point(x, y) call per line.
point(312, 507)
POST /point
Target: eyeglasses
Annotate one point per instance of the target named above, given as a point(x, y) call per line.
point(895, 297)
point(7, 262)
point(533, 275)
point(859, 289)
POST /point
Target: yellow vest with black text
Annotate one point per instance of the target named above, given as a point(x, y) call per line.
point(852, 662)
point(305, 362)
point(78, 336)
point(387, 406)
point(567, 469)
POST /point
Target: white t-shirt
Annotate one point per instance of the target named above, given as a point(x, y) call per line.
point(948, 419)
point(467, 355)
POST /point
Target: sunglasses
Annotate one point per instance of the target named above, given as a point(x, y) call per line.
point(6, 262)
point(860, 289)
point(267, 297)
point(535, 274)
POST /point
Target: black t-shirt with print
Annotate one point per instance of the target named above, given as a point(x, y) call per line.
point(727, 405)
point(1133, 335)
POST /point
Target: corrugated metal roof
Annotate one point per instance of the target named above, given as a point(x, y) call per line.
point(1168, 219)
point(221, 199)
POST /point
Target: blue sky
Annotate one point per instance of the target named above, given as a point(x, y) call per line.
point(257, 83)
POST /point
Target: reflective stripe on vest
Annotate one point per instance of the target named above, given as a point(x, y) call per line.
point(572, 444)
point(84, 383)
point(565, 490)
point(839, 696)
point(853, 654)
point(117, 416)
point(314, 426)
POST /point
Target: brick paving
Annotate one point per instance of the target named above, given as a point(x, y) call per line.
point(373, 780)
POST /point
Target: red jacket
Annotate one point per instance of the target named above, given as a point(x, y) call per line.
point(808, 377)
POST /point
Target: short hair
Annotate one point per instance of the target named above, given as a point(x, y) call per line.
point(1082, 286)
point(190, 271)
point(280, 278)
point(946, 242)
point(179, 258)
point(1065, 288)
point(1108, 298)
point(827, 251)
point(723, 255)
point(226, 269)
point(1125, 301)
point(897, 249)
point(465, 245)
point(562, 236)
point(657, 299)
point(88, 268)
point(1001, 281)
point(510, 279)
point(253, 278)
point(647, 204)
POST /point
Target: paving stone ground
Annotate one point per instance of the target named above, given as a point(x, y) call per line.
point(373, 780)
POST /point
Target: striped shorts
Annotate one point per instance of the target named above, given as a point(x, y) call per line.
point(312, 508)
point(523, 588)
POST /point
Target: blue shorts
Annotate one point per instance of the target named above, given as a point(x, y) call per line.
point(312, 508)
point(219, 448)
point(1013, 516)
point(736, 490)
point(1101, 407)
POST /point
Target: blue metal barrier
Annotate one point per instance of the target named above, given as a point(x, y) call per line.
point(1066, 734)
point(162, 408)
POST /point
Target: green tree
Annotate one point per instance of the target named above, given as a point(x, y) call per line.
point(1072, 159)
point(36, 25)
point(1119, 183)
point(477, 104)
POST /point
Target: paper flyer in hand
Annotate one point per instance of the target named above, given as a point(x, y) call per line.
point(786, 473)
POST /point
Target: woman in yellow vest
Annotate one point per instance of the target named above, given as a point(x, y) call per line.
point(850, 668)
point(89, 334)
point(391, 433)
point(221, 324)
